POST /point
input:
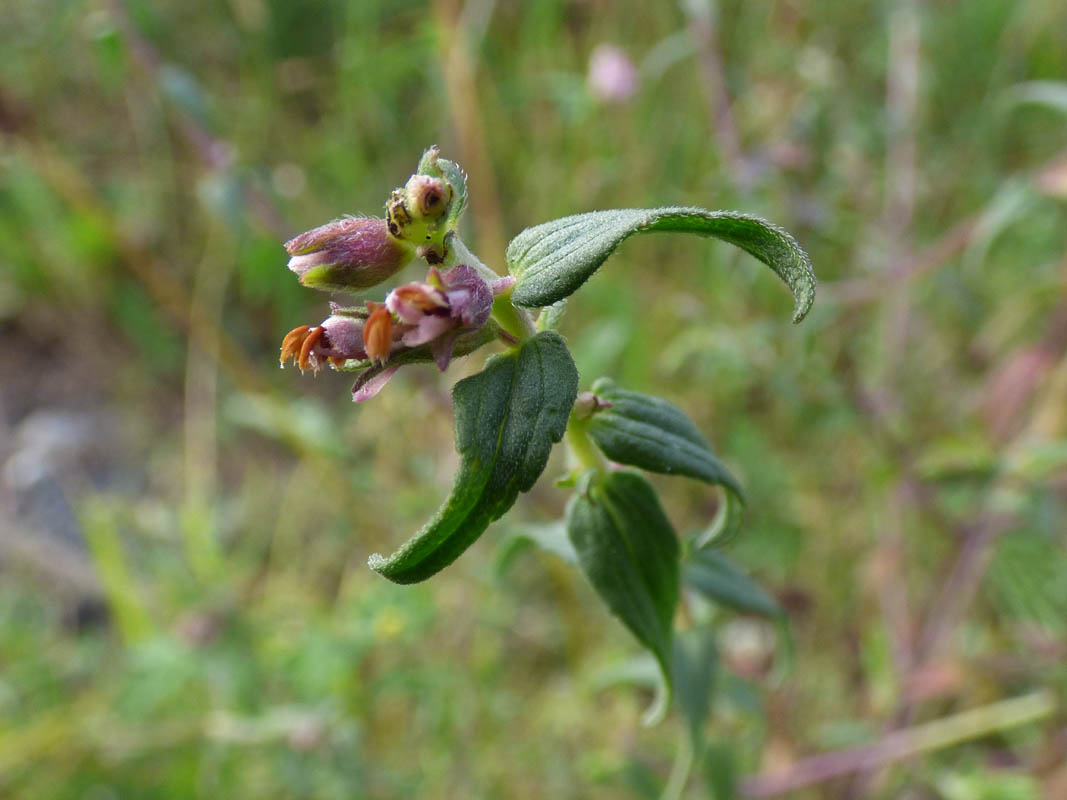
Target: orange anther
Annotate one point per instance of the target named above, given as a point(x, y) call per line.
point(292, 341)
point(378, 334)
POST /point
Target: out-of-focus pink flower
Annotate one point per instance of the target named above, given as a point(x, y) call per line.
point(612, 76)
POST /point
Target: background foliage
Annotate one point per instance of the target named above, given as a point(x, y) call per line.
point(185, 609)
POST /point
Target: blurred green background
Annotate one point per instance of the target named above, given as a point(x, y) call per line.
point(184, 606)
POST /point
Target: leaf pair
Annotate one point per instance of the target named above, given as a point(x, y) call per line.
point(625, 543)
point(648, 432)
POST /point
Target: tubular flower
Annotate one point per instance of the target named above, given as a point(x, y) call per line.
point(338, 339)
point(348, 254)
point(419, 321)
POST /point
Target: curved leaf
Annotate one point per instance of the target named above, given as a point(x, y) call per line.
point(715, 576)
point(695, 666)
point(648, 432)
point(551, 260)
point(508, 416)
point(628, 550)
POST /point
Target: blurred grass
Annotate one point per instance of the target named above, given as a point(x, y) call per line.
point(211, 629)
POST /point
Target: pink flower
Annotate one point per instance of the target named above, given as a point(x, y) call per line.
point(419, 321)
point(612, 77)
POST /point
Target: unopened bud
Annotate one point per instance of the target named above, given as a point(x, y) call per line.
point(412, 301)
point(427, 198)
point(470, 297)
point(588, 404)
point(416, 213)
point(347, 254)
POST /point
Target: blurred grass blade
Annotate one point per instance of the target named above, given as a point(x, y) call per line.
point(508, 416)
point(550, 261)
point(1051, 94)
point(112, 565)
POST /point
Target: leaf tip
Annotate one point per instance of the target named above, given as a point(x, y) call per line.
point(805, 299)
point(380, 564)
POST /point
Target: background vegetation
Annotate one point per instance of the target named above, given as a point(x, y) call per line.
point(184, 606)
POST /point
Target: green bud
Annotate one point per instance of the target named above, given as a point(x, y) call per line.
point(416, 214)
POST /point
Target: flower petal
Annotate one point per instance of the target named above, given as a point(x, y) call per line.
point(371, 382)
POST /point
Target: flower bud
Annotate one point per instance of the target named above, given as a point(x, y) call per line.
point(416, 214)
point(412, 301)
point(470, 297)
point(588, 404)
point(427, 197)
point(347, 254)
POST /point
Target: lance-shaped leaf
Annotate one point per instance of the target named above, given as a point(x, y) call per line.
point(715, 576)
point(695, 666)
point(508, 416)
point(648, 432)
point(551, 260)
point(628, 550)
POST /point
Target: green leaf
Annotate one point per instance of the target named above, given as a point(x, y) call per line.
point(720, 771)
point(648, 432)
point(716, 577)
point(695, 666)
point(628, 550)
point(550, 537)
point(508, 416)
point(550, 318)
point(550, 261)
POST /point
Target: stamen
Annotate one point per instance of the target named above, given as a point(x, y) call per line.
point(292, 341)
point(307, 359)
point(378, 335)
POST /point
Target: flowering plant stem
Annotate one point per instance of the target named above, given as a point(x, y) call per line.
point(516, 321)
point(583, 450)
point(525, 400)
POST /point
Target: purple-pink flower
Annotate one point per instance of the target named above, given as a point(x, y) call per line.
point(432, 314)
point(348, 254)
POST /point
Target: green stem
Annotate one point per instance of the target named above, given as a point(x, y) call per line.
point(516, 321)
point(583, 450)
point(683, 765)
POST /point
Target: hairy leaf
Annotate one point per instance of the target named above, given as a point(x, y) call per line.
point(551, 260)
point(648, 432)
point(628, 550)
point(508, 416)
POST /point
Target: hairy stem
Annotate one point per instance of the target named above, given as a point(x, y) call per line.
point(516, 321)
point(584, 453)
